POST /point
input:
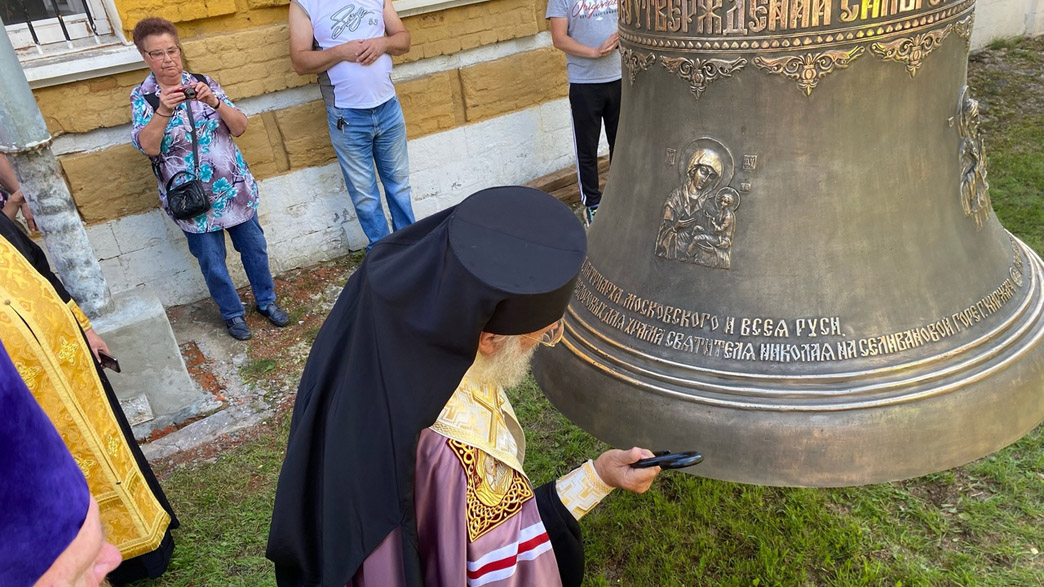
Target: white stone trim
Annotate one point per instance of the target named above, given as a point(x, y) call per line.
point(100, 138)
point(414, 7)
point(115, 57)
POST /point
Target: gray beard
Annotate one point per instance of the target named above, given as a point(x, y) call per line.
point(506, 367)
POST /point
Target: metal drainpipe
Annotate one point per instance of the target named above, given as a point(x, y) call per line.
point(24, 138)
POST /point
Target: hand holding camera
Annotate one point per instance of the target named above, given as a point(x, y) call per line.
point(200, 92)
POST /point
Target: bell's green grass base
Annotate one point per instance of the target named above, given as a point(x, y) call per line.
point(981, 524)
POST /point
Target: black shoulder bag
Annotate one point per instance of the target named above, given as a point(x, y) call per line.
point(189, 199)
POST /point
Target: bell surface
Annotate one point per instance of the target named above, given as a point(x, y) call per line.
point(795, 268)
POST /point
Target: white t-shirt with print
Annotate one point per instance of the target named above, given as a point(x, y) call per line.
point(351, 85)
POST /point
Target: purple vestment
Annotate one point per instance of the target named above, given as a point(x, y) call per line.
point(514, 553)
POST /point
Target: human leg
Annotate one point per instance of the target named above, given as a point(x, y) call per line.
point(352, 134)
point(393, 165)
point(611, 113)
point(249, 239)
point(209, 250)
point(586, 115)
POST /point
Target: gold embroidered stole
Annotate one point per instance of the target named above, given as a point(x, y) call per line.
point(480, 414)
point(42, 336)
point(487, 439)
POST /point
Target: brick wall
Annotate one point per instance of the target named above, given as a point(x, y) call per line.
point(296, 138)
point(246, 48)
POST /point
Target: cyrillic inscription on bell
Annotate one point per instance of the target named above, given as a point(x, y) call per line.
point(795, 269)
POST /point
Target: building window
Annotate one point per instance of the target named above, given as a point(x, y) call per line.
point(47, 27)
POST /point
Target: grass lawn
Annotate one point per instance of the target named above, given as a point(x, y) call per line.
point(981, 524)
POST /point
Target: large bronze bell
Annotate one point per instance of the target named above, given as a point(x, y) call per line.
point(796, 269)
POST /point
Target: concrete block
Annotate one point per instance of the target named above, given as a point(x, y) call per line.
point(114, 274)
point(999, 19)
point(154, 264)
point(426, 207)
point(307, 248)
point(139, 335)
point(354, 234)
point(137, 409)
point(103, 241)
point(430, 151)
point(141, 231)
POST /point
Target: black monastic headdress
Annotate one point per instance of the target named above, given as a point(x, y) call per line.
point(395, 346)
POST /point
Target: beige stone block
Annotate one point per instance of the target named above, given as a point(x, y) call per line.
point(275, 139)
point(102, 84)
point(257, 150)
point(428, 104)
point(442, 47)
point(216, 45)
point(265, 3)
point(305, 135)
point(186, 12)
point(110, 183)
point(513, 83)
point(471, 41)
point(216, 7)
point(79, 107)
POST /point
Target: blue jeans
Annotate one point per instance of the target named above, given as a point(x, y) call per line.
point(209, 249)
point(363, 137)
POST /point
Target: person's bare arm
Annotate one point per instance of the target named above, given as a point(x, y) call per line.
point(151, 135)
point(562, 41)
point(303, 57)
point(16, 199)
point(396, 39)
point(9, 183)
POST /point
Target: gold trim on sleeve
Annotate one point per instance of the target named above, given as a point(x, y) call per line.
point(581, 489)
point(81, 318)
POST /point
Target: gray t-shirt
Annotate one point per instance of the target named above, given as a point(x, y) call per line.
point(590, 23)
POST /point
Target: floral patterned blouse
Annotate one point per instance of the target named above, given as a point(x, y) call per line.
point(225, 175)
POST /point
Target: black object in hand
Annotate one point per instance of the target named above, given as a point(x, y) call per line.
point(190, 93)
point(667, 460)
point(108, 362)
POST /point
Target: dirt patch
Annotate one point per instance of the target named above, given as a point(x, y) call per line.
point(1008, 81)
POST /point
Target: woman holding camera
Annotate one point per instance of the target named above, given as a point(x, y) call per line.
point(166, 108)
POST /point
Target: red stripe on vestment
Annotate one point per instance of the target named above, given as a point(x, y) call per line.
point(511, 560)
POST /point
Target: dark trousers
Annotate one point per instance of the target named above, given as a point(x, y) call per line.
point(592, 105)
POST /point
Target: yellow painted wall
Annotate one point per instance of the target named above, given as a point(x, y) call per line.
point(244, 45)
point(247, 51)
point(297, 137)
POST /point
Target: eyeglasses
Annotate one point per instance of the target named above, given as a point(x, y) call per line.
point(173, 53)
point(552, 336)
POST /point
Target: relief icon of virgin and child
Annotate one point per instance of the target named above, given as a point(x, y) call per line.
point(699, 216)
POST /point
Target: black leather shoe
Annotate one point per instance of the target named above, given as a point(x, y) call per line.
point(238, 329)
point(275, 315)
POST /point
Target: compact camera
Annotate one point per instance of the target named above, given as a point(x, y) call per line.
point(190, 93)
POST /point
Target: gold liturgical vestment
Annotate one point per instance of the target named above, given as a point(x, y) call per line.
point(44, 339)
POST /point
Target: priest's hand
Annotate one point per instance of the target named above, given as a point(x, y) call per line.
point(97, 344)
point(614, 467)
point(27, 215)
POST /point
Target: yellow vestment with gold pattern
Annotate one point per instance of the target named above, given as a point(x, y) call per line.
point(487, 438)
point(43, 337)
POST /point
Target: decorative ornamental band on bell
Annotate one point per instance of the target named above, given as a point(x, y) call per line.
point(795, 267)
